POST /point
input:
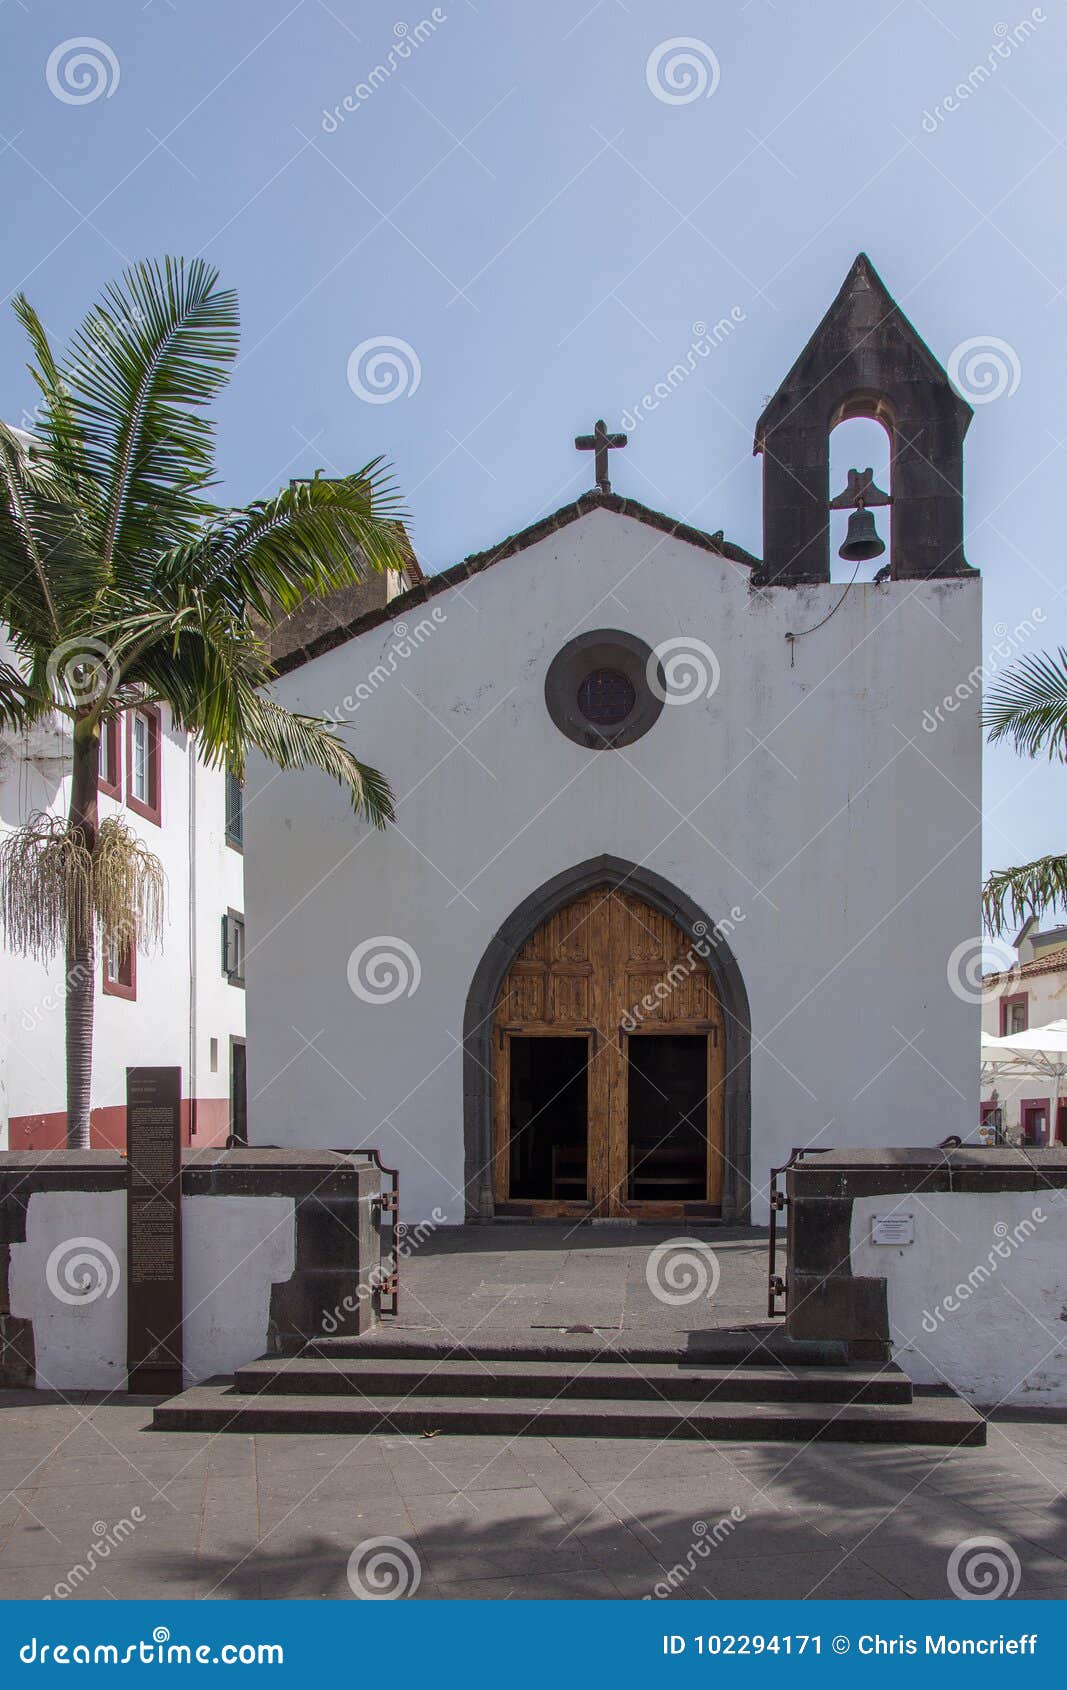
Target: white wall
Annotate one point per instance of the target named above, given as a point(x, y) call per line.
point(69, 1278)
point(977, 1301)
point(846, 834)
point(233, 1250)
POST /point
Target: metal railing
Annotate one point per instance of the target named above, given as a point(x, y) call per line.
point(776, 1284)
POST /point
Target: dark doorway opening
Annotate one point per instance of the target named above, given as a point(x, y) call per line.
point(549, 1119)
point(667, 1116)
point(238, 1092)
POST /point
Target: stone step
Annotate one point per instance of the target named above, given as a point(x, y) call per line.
point(600, 1379)
point(943, 1420)
point(758, 1346)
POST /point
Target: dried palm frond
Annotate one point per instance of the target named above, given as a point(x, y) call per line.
point(129, 887)
point(53, 889)
point(46, 886)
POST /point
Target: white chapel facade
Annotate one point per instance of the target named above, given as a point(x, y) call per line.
point(677, 875)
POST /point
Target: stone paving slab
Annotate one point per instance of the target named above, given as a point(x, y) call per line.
point(518, 1279)
point(491, 1518)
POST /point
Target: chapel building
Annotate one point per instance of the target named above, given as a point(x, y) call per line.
point(677, 876)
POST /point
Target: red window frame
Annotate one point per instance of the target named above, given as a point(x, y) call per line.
point(126, 984)
point(1009, 1002)
point(110, 758)
point(1034, 1103)
point(153, 810)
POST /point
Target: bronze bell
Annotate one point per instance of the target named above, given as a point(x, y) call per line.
point(862, 540)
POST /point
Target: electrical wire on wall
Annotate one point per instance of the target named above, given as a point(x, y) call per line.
point(792, 638)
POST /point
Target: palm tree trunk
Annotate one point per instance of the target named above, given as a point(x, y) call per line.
point(82, 818)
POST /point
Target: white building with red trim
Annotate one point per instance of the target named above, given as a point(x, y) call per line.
point(1030, 994)
point(181, 1005)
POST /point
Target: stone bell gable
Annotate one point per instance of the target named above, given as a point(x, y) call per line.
point(864, 360)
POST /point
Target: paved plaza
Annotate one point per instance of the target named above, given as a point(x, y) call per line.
point(94, 1504)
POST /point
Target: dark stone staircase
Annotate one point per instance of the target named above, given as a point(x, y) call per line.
point(732, 1385)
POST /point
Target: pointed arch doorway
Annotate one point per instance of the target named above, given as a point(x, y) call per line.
point(607, 1054)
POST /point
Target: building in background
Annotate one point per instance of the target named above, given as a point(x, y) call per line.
point(182, 1005)
point(1014, 1000)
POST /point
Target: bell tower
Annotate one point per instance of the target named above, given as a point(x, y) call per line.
point(864, 360)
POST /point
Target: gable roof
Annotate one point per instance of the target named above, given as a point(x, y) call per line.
point(430, 586)
point(1047, 962)
point(864, 313)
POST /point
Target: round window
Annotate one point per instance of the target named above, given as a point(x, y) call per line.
point(597, 689)
point(606, 697)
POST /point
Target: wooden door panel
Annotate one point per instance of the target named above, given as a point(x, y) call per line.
point(605, 958)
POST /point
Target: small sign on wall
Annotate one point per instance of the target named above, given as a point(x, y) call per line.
point(893, 1229)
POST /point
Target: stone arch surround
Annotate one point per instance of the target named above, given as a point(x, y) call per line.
point(500, 953)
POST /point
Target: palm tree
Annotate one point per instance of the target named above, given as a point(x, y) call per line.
point(121, 584)
point(1029, 707)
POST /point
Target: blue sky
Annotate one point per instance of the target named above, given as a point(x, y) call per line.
point(511, 197)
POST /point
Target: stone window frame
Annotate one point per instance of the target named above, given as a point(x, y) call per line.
point(603, 648)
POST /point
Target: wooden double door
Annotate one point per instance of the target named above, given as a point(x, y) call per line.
point(608, 1067)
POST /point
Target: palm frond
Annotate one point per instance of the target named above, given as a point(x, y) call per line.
point(294, 741)
point(310, 539)
point(47, 567)
point(1029, 706)
point(56, 427)
point(211, 668)
point(19, 707)
point(1015, 893)
point(144, 363)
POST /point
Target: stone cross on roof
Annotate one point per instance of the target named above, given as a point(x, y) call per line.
point(600, 442)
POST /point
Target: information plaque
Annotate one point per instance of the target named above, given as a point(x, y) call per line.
point(154, 1230)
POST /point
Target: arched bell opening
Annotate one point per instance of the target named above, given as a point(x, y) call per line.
point(860, 441)
point(606, 1054)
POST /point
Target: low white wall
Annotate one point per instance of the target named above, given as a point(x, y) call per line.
point(68, 1278)
point(233, 1250)
point(979, 1300)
